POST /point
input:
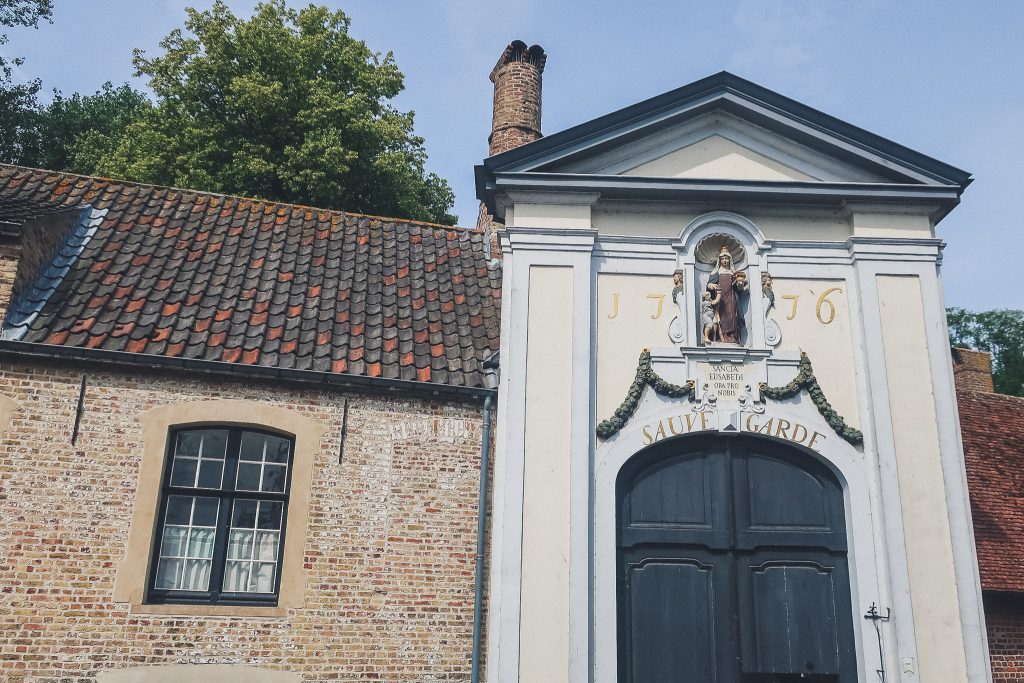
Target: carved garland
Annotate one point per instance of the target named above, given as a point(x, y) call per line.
point(805, 380)
point(647, 377)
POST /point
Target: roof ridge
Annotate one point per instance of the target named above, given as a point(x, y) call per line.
point(236, 197)
point(993, 394)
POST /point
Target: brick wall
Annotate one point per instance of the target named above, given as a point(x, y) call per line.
point(972, 370)
point(389, 552)
point(1004, 616)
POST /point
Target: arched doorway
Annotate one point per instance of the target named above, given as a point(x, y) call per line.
point(732, 565)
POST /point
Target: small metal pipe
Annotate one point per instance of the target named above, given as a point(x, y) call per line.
point(481, 532)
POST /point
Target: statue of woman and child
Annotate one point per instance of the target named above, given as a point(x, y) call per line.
point(721, 317)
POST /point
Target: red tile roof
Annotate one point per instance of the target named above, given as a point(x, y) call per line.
point(993, 433)
point(207, 276)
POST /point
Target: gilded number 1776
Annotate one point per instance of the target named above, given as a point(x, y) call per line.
point(658, 309)
point(822, 303)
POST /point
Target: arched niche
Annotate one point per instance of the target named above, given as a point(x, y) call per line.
point(697, 249)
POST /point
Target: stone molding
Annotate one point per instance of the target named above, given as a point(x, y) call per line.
point(132, 572)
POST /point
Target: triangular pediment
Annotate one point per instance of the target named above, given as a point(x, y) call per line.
point(716, 156)
point(725, 128)
point(718, 145)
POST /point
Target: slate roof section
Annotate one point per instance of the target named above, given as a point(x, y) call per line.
point(198, 275)
point(27, 306)
point(993, 434)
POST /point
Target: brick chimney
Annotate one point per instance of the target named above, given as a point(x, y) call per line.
point(516, 117)
point(517, 94)
point(972, 370)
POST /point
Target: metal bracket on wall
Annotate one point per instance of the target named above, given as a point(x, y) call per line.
point(874, 616)
point(78, 412)
point(343, 433)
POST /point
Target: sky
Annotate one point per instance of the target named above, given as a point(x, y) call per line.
point(944, 77)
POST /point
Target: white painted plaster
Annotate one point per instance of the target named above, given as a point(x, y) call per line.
point(717, 157)
point(771, 146)
point(891, 225)
point(925, 515)
point(625, 331)
point(823, 331)
point(544, 616)
point(629, 219)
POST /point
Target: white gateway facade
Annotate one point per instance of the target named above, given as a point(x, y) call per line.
point(727, 441)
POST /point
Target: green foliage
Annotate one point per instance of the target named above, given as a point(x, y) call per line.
point(18, 103)
point(20, 13)
point(805, 380)
point(285, 105)
point(19, 114)
point(75, 133)
point(999, 332)
point(645, 377)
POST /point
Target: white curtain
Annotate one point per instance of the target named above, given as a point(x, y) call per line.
point(244, 572)
point(196, 576)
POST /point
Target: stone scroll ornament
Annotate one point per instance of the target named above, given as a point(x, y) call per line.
point(647, 377)
point(772, 332)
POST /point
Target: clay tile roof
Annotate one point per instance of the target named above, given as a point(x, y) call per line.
point(993, 433)
point(206, 276)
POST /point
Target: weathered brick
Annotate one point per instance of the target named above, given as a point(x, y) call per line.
point(390, 547)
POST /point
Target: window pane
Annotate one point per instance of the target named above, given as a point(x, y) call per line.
point(240, 545)
point(277, 449)
point(183, 473)
point(215, 443)
point(252, 446)
point(206, 512)
point(201, 542)
point(188, 444)
point(248, 477)
point(262, 580)
point(270, 515)
point(168, 574)
point(210, 473)
point(266, 545)
point(236, 576)
point(245, 515)
point(196, 576)
point(179, 509)
point(274, 478)
point(173, 544)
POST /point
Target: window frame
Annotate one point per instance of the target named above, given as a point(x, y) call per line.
point(215, 595)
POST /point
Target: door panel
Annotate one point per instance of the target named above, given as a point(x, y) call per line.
point(679, 500)
point(670, 644)
point(781, 502)
point(732, 559)
point(789, 616)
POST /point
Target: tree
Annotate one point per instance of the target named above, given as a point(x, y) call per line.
point(74, 133)
point(285, 105)
point(999, 332)
point(18, 103)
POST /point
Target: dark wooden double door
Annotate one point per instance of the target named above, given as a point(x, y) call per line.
point(732, 566)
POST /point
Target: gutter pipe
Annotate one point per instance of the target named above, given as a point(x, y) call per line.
point(481, 530)
point(97, 358)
